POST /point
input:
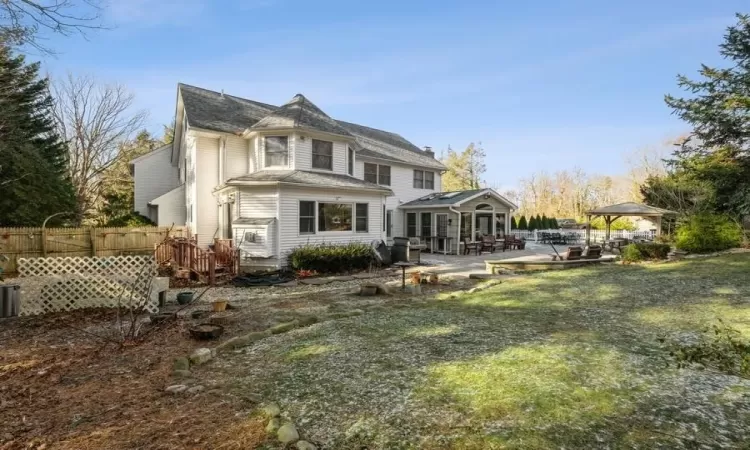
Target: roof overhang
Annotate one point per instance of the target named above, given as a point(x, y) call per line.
point(250, 132)
point(240, 183)
point(492, 193)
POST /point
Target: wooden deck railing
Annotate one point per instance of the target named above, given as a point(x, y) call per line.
point(222, 260)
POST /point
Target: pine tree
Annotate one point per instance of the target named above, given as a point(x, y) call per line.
point(538, 222)
point(513, 225)
point(523, 224)
point(545, 222)
point(532, 224)
point(33, 160)
point(554, 223)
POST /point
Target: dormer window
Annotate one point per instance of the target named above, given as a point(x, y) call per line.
point(277, 151)
point(322, 155)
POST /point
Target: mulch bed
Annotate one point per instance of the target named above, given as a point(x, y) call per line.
point(62, 387)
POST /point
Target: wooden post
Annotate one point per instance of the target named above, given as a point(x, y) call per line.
point(92, 235)
point(44, 241)
point(211, 268)
point(588, 230)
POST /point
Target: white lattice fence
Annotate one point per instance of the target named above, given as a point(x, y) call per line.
point(64, 284)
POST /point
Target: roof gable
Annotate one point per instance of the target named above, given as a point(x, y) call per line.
point(456, 198)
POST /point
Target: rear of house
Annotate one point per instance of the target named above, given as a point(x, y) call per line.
point(274, 178)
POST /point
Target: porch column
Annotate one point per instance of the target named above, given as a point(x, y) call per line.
point(458, 234)
point(658, 225)
point(473, 225)
point(494, 224)
point(507, 224)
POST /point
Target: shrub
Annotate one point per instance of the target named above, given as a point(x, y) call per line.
point(645, 250)
point(708, 233)
point(630, 253)
point(332, 258)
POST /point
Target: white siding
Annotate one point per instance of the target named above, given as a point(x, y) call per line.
point(402, 182)
point(262, 203)
point(171, 207)
point(207, 178)
point(190, 183)
point(236, 157)
point(154, 176)
point(253, 160)
point(289, 218)
point(303, 154)
point(257, 202)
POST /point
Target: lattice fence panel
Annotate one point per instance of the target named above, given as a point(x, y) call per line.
point(64, 284)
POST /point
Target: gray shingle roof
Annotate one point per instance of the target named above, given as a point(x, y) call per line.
point(631, 209)
point(221, 112)
point(442, 198)
point(300, 113)
point(303, 177)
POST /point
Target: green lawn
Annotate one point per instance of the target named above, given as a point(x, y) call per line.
point(565, 359)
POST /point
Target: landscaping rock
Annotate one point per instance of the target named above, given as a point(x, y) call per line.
point(364, 276)
point(273, 425)
point(176, 389)
point(182, 374)
point(196, 389)
point(382, 289)
point(287, 434)
point(200, 356)
point(292, 283)
point(315, 281)
point(473, 290)
point(181, 364)
point(284, 327)
point(304, 445)
point(242, 341)
point(271, 410)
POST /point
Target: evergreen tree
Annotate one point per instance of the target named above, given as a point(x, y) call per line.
point(545, 222)
point(533, 224)
point(555, 225)
point(513, 224)
point(538, 222)
point(523, 224)
point(33, 160)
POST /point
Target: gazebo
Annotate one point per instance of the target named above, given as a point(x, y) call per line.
point(614, 212)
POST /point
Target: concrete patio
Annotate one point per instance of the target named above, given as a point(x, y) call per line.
point(466, 264)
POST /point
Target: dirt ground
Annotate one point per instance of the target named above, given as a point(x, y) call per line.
point(66, 383)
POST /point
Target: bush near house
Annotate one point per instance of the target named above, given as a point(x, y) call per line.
point(332, 258)
point(645, 251)
point(708, 233)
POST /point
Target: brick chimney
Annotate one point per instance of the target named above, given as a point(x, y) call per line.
point(428, 151)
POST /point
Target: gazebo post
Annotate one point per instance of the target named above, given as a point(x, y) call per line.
point(607, 227)
point(588, 229)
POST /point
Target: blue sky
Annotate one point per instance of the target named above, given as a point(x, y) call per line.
point(543, 85)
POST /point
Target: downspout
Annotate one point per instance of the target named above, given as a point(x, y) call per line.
point(458, 232)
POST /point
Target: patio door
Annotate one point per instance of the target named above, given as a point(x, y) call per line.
point(442, 229)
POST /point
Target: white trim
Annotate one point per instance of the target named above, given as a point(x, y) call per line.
point(151, 153)
point(492, 192)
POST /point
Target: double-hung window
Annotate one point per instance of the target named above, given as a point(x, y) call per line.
point(322, 155)
point(350, 161)
point(362, 217)
point(306, 217)
point(277, 151)
point(378, 174)
point(424, 179)
point(371, 173)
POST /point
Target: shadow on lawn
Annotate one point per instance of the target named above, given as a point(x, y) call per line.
point(554, 359)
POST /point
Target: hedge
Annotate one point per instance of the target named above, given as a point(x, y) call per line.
point(704, 233)
point(645, 250)
point(332, 258)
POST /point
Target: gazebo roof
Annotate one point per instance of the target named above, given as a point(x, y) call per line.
point(630, 209)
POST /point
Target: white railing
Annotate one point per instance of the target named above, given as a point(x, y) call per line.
point(596, 235)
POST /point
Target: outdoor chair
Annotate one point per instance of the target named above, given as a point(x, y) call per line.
point(488, 244)
point(469, 246)
point(592, 252)
point(572, 254)
point(510, 242)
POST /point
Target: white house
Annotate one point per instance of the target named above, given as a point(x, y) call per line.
point(273, 178)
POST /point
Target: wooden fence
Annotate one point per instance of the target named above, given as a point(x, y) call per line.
point(60, 242)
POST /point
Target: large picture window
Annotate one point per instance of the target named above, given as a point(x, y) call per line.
point(322, 155)
point(334, 217)
point(362, 217)
point(277, 151)
point(306, 217)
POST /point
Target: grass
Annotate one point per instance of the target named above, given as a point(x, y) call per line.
point(563, 359)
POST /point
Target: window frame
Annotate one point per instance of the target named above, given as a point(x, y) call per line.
point(431, 179)
point(313, 217)
point(352, 216)
point(365, 173)
point(314, 154)
point(416, 224)
point(266, 164)
point(357, 217)
point(380, 175)
point(389, 223)
point(422, 224)
point(418, 183)
point(350, 161)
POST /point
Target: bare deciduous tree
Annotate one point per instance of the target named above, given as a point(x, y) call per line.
point(24, 22)
point(95, 120)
